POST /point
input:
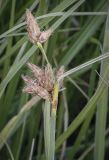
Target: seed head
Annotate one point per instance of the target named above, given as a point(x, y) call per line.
point(32, 27)
point(33, 87)
point(45, 35)
point(34, 33)
point(42, 83)
point(49, 79)
point(37, 72)
point(28, 80)
point(59, 73)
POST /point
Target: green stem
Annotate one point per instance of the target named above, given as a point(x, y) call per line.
point(44, 55)
point(46, 111)
point(43, 52)
point(52, 136)
point(53, 121)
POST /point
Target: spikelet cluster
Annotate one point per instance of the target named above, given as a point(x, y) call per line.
point(42, 83)
point(34, 33)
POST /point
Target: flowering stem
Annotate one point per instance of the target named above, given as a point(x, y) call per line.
point(52, 136)
point(50, 120)
point(43, 52)
point(46, 111)
point(53, 121)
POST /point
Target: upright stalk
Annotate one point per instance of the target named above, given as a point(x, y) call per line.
point(43, 52)
point(46, 112)
point(50, 116)
point(44, 55)
point(53, 121)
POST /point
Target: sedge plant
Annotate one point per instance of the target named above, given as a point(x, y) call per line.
point(45, 84)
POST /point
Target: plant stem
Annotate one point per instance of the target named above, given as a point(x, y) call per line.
point(43, 52)
point(53, 121)
point(46, 111)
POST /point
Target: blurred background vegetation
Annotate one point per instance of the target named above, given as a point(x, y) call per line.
point(80, 33)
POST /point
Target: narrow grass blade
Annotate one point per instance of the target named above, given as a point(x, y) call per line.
point(81, 134)
point(83, 114)
point(15, 68)
point(11, 89)
point(46, 112)
point(66, 15)
point(32, 149)
point(16, 121)
point(66, 121)
point(84, 65)
point(13, 49)
point(63, 5)
point(78, 87)
point(90, 148)
point(88, 30)
point(102, 104)
point(52, 136)
point(9, 150)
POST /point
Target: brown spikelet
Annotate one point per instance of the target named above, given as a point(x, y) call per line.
point(37, 72)
point(33, 87)
point(37, 90)
point(34, 33)
point(28, 80)
point(59, 73)
point(49, 81)
point(43, 81)
point(32, 27)
point(28, 89)
point(45, 35)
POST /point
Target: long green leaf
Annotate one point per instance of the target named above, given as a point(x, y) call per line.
point(83, 114)
point(16, 121)
point(87, 31)
point(102, 104)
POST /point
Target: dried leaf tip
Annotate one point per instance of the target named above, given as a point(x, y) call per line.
point(33, 29)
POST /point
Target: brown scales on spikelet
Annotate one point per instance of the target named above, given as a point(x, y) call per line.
point(59, 73)
point(49, 79)
point(28, 80)
point(32, 27)
point(34, 88)
point(34, 33)
point(38, 73)
point(42, 84)
point(45, 35)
